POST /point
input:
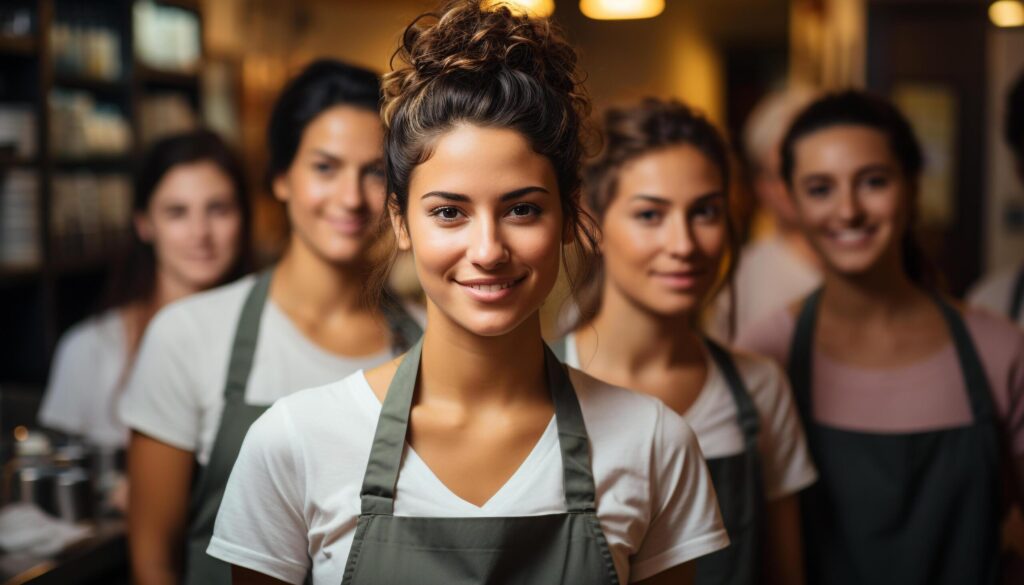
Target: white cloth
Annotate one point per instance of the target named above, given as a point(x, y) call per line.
point(785, 461)
point(27, 528)
point(175, 393)
point(293, 497)
point(769, 276)
point(994, 291)
point(85, 381)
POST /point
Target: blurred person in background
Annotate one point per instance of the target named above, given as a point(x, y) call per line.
point(1003, 291)
point(661, 193)
point(210, 365)
point(190, 233)
point(913, 406)
point(778, 265)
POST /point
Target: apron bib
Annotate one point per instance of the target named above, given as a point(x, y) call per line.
point(235, 420)
point(530, 550)
point(740, 488)
point(901, 508)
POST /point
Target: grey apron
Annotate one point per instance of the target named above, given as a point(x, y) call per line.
point(738, 483)
point(551, 549)
point(235, 420)
point(901, 508)
point(740, 488)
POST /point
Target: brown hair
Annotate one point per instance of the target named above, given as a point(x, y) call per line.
point(637, 130)
point(485, 65)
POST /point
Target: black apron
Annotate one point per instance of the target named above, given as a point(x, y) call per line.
point(738, 483)
point(1017, 296)
point(551, 549)
point(235, 420)
point(901, 508)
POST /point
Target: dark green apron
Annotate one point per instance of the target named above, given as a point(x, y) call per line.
point(738, 483)
point(551, 549)
point(235, 420)
point(740, 489)
point(901, 508)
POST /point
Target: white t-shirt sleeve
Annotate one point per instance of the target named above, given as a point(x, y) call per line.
point(786, 461)
point(72, 374)
point(260, 525)
point(161, 397)
point(685, 522)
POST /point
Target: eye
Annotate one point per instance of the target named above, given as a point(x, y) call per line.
point(324, 167)
point(650, 216)
point(220, 208)
point(877, 181)
point(175, 211)
point(524, 211)
point(708, 212)
point(446, 213)
point(818, 189)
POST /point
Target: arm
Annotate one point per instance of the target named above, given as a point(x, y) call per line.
point(243, 576)
point(784, 554)
point(160, 477)
point(683, 574)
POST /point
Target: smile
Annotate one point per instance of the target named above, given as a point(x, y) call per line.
point(491, 289)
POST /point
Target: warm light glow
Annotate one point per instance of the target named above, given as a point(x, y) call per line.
point(621, 9)
point(1007, 13)
point(541, 8)
point(20, 433)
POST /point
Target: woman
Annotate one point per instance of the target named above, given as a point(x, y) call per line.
point(661, 192)
point(913, 406)
point(191, 233)
point(507, 467)
point(210, 365)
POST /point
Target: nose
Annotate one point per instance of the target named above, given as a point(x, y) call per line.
point(200, 225)
point(487, 250)
point(351, 192)
point(679, 241)
point(850, 207)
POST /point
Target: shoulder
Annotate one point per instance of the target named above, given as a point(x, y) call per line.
point(993, 291)
point(762, 375)
point(320, 408)
point(999, 342)
point(216, 308)
point(100, 336)
point(769, 336)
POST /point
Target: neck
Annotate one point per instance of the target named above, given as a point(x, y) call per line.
point(307, 284)
point(882, 292)
point(461, 367)
point(167, 290)
point(642, 339)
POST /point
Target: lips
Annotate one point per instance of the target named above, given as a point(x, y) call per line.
point(350, 225)
point(679, 279)
point(490, 289)
point(851, 237)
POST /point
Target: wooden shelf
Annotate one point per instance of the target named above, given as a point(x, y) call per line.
point(102, 87)
point(94, 162)
point(191, 5)
point(153, 77)
point(17, 275)
point(23, 45)
point(8, 160)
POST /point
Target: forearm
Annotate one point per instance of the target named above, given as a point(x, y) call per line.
point(783, 554)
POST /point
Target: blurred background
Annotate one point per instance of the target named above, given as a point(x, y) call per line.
point(86, 84)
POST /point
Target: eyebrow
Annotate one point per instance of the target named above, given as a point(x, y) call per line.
point(326, 154)
point(510, 196)
point(664, 201)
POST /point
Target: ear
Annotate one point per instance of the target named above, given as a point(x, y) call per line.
point(398, 224)
point(143, 227)
point(280, 188)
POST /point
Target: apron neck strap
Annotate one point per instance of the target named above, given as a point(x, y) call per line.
point(978, 391)
point(802, 349)
point(746, 412)
point(378, 492)
point(404, 329)
point(1017, 296)
point(247, 332)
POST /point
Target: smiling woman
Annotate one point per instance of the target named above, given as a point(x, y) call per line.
point(477, 457)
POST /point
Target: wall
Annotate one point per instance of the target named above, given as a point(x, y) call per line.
point(1004, 243)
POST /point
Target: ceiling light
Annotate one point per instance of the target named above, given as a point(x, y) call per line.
point(621, 9)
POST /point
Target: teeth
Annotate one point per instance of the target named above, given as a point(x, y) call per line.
point(848, 236)
point(491, 287)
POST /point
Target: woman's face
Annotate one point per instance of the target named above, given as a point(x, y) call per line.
point(665, 230)
point(484, 223)
point(334, 189)
point(852, 197)
point(194, 225)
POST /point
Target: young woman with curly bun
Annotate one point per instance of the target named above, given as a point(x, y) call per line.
point(477, 457)
point(660, 190)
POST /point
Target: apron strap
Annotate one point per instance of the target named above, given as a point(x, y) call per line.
point(405, 330)
point(978, 391)
point(801, 352)
point(1017, 296)
point(560, 347)
point(746, 412)
point(243, 348)
point(378, 492)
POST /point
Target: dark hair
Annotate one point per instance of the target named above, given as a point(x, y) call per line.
point(858, 108)
point(1015, 117)
point(634, 131)
point(134, 275)
point(323, 84)
point(487, 66)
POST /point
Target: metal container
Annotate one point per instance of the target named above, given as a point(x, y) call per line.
point(34, 485)
point(73, 495)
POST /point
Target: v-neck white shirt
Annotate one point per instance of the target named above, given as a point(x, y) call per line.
point(292, 502)
point(785, 460)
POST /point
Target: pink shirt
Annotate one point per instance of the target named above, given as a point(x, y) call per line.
point(923, 396)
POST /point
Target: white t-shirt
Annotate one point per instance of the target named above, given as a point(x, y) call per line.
point(85, 380)
point(994, 291)
point(785, 461)
point(292, 502)
point(175, 393)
